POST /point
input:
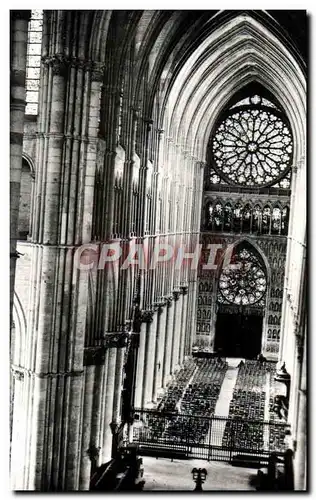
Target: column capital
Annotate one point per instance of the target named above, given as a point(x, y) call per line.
point(93, 452)
point(149, 122)
point(169, 300)
point(58, 62)
point(97, 71)
point(184, 289)
point(17, 373)
point(147, 316)
point(160, 304)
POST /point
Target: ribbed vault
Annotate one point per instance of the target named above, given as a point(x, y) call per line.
point(240, 51)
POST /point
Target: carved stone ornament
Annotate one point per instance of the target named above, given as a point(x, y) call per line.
point(116, 339)
point(18, 374)
point(169, 300)
point(147, 316)
point(93, 452)
point(184, 289)
point(97, 73)
point(159, 305)
point(58, 62)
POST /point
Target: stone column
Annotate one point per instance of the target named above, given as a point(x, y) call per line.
point(18, 40)
point(109, 398)
point(158, 350)
point(174, 362)
point(118, 384)
point(300, 456)
point(56, 325)
point(18, 432)
point(140, 366)
point(149, 362)
point(183, 323)
point(85, 466)
point(168, 342)
point(192, 317)
point(98, 426)
point(161, 340)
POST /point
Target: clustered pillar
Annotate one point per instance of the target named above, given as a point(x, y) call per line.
point(104, 171)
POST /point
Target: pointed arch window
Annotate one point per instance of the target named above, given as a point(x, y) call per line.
point(266, 220)
point(246, 218)
point(228, 217)
point(25, 208)
point(276, 220)
point(218, 217)
point(246, 284)
point(209, 215)
point(285, 220)
point(33, 63)
point(237, 217)
point(256, 219)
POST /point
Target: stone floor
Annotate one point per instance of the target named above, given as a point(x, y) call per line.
point(165, 475)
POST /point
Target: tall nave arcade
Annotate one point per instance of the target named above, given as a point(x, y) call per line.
point(158, 238)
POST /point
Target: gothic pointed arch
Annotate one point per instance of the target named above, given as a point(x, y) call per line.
point(18, 338)
point(250, 244)
point(244, 282)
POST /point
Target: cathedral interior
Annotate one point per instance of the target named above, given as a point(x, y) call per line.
point(179, 135)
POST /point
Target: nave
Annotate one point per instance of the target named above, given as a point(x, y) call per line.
point(196, 391)
point(182, 131)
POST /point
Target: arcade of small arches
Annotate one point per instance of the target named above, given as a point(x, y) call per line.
point(150, 126)
point(247, 217)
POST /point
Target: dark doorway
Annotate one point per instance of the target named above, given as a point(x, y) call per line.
point(238, 335)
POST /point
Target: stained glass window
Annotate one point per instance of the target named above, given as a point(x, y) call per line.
point(256, 219)
point(276, 220)
point(218, 217)
point(237, 217)
point(227, 217)
point(33, 61)
point(209, 215)
point(252, 145)
point(285, 220)
point(247, 284)
point(246, 219)
point(266, 219)
point(285, 182)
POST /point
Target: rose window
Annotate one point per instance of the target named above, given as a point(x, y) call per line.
point(252, 146)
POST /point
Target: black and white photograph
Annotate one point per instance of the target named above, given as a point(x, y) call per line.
point(158, 290)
